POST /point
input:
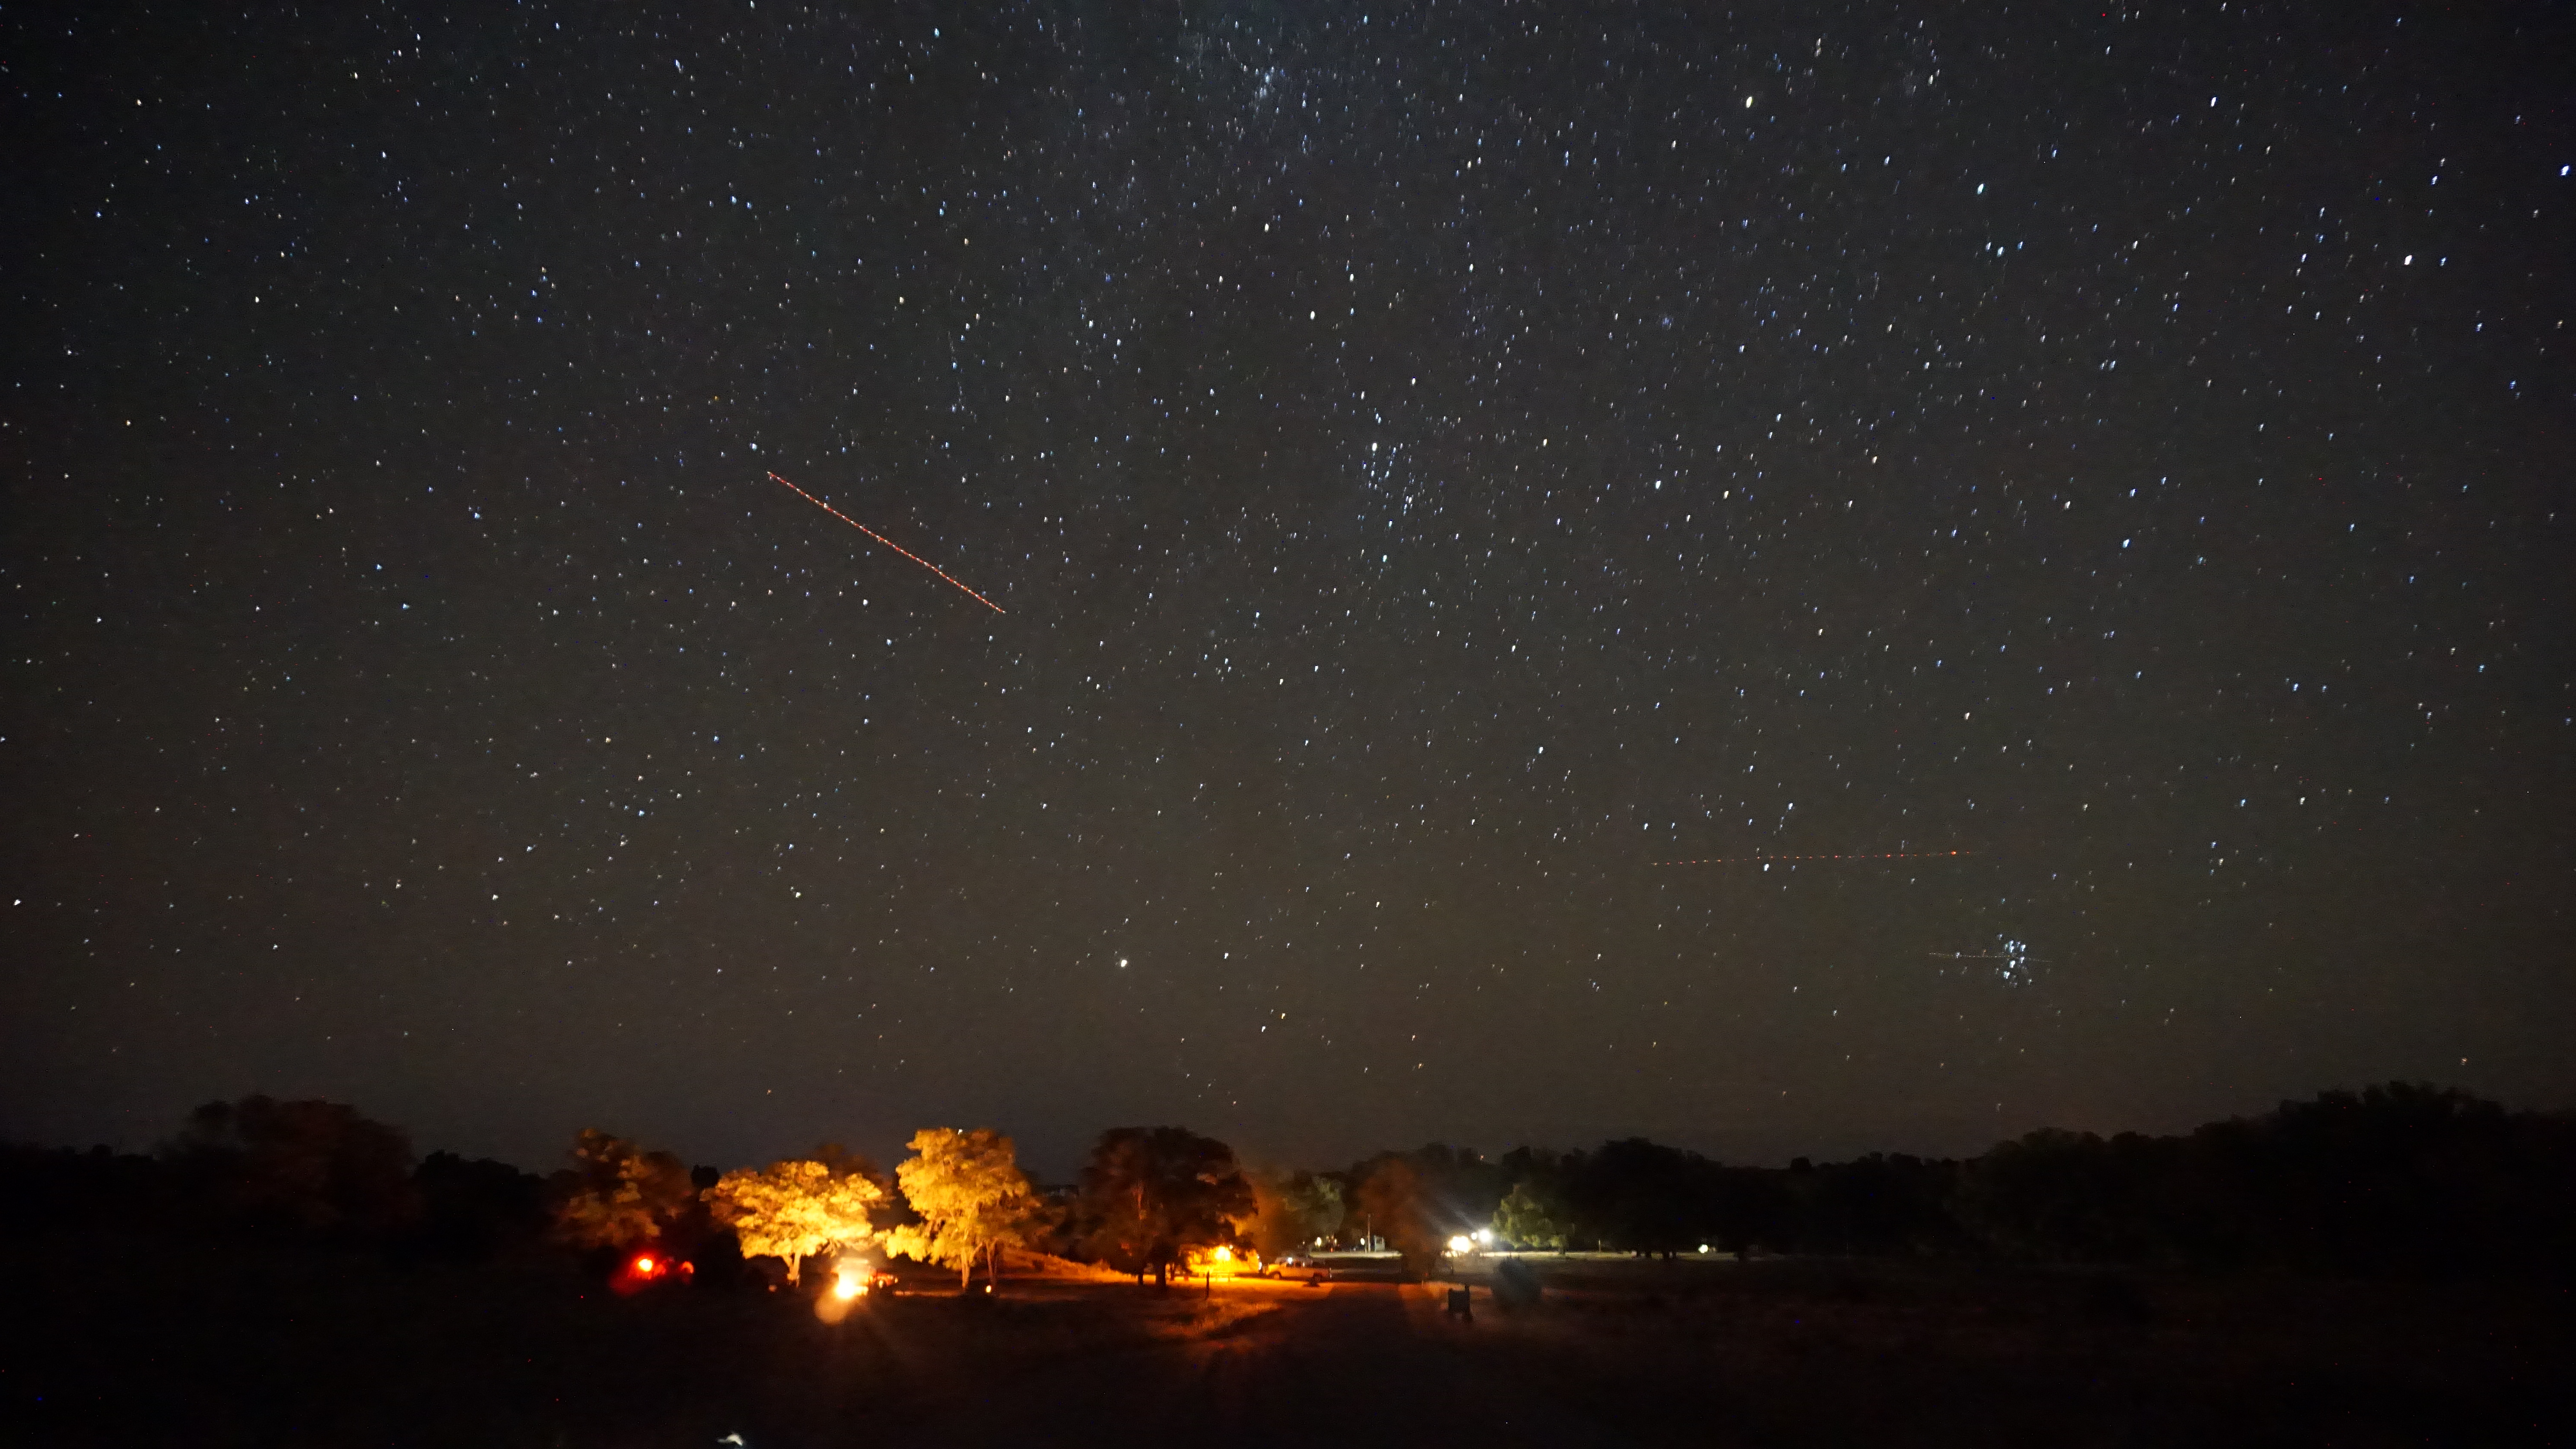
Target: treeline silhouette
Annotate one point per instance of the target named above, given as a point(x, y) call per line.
point(2395, 1179)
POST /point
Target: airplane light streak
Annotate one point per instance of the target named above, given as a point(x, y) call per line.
point(890, 543)
point(1766, 859)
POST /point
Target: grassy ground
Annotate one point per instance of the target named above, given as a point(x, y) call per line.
point(296, 1348)
point(1801, 1351)
point(135, 1347)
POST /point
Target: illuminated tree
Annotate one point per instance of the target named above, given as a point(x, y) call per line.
point(796, 1208)
point(971, 1196)
point(1527, 1220)
point(616, 1194)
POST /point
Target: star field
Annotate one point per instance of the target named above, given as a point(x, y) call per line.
point(1434, 464)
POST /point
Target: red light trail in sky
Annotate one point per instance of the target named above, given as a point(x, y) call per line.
point(890, 543)
point(1767, 859)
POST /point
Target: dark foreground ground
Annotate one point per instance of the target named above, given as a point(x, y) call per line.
point(293, 1350)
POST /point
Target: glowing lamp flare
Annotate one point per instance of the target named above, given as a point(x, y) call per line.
point(648, 1268)
point(1220, 1260)
point(849, 1283)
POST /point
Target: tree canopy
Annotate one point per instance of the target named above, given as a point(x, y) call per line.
point(314, 1166)
point(970, 1194)
point(1397, 1204)
point(2396, 1178)
point(1153, 1193)
point(796, 1208)
point(1525, 1219)
point(616, 1194)
point(1291, 1210)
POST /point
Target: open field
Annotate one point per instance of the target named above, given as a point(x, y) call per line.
point(308, 1349)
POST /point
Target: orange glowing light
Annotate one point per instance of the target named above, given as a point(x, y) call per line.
point(1220, 1261)
point(644, 1265)
point(848, 1283)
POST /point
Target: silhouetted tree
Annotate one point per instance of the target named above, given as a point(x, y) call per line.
point(309, 1166)
point(1455, 1188)
point(1398, 1203)
point(1879, 1204)
point(1291, 1210)
point(2064, 1195)
point(1641, 1197)
point(1464, 1186)
point(1152, 1193)
point(2401, 1177)
point(2394, 1178)
point(475, 1210)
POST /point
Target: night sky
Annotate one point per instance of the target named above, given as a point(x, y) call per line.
point(1436, 464)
